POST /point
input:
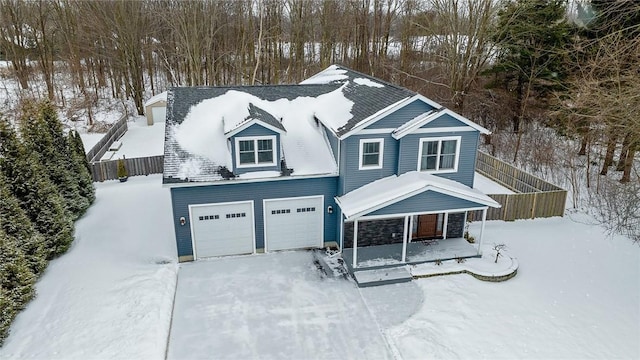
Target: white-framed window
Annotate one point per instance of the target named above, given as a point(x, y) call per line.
point(255, 151)
point(371, 154)
point(439, 154)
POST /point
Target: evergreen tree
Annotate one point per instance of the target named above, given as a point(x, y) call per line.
point(81, 167)
point(18, 228)
point(43, 135)
point(16, 283)
point(38, 197)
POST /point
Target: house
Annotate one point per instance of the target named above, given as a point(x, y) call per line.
point(341, 160)
point(155, 109)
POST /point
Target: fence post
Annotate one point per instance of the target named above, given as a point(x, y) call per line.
point(533, 207)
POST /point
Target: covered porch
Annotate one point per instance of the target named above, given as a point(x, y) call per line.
point(408, 219)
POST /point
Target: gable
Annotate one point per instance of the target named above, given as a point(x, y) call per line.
point(402, 115)
point(444, 120)
point(256, 129)
point(426, 202)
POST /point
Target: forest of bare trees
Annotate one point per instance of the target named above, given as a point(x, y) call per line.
point(513, 66)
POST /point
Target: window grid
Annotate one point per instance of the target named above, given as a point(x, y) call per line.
point(255, 151)
point(438, 154)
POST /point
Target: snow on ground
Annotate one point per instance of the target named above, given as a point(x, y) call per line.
point(576, 296)
point(89, 140)
point(110, 296)
point(488, 186)
point(141, 140)
point(270, 306)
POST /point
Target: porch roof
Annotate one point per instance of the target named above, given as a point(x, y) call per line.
point(392, 189)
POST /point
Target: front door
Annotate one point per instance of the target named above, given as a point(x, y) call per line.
point(430, 226)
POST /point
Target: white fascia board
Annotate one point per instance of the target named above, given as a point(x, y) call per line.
point(247, 124)
point(413, 124)
point(421, 121)
point(244, 181)
point(466, 121)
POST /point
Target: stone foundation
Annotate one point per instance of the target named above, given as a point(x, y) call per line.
point(375, 232)
point(455, 225)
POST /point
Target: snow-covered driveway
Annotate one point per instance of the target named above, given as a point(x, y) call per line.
point(270, 306)
point(109, 296)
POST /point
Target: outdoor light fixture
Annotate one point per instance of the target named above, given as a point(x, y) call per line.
point(183, 221)
point(330, 209)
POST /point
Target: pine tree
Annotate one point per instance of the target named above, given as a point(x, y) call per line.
point(17, 226)
point(81, 167)
point(43, 135)
point(37, 195)
point(16, 283)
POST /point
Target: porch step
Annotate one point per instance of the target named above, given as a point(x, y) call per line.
point(375, 277)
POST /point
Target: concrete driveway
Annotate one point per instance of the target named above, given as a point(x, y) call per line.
point(270, 306)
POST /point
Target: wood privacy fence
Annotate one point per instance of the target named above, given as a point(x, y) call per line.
point(534, 197)
point(108, 170)
point(115, 132)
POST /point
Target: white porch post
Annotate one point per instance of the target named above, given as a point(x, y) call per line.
point(355, 243)
point(404, 239)
point(410, 228)
point(484, 219)
point(446, 224)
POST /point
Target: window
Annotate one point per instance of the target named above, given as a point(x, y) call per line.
point(439, 154)
point(255, 151)
point(371, 151)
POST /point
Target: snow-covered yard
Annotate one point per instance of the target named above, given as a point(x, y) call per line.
point(141, 140)
point(576, 295)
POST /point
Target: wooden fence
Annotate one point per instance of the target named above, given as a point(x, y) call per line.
point(108, 170)
point(533, 196)
point(117, 130)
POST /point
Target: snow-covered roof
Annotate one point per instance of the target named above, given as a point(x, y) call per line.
point(157, 97)
point(392, 189)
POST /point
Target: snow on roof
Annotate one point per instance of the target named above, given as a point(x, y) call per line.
point(331, 74)
point(367, 82)
point(389, 190)
point(157, 97)
point(304, 145)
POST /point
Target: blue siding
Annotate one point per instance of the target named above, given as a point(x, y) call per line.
point(410, 145)
point(444, 120)
point(354, 178)
point(427, 201)
point(402, 115)
point(333, 142)
point(182, 197)
point(255, 130)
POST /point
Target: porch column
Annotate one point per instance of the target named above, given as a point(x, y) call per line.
point(410, 228)
point(484, 219)
point(355, 243)
point(404, 239)
point(444, 226)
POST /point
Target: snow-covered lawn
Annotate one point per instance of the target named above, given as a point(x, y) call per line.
point(141, 140)
point(270, 306)
point(110, 296)
point(576, 295)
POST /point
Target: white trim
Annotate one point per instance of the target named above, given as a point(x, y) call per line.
point(445, 224)
point(248, 124)
point(443, 129)
point(355, 244)
point(484, 220)
point(193, 238)
point(341, 232)
point(375, 131)
point(264, 215)
point(274, 145)
point(437, 170)
point(244, 181)
point(380, 154)
point(377, 116)
point(398, 215)
point(404, 239)
point(410, 228)
point(421, 121)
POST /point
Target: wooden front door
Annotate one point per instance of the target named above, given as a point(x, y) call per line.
point(430, 226)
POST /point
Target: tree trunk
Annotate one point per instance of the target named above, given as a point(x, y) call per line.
point(624, 152)
point(626, 175)
point(608, 158)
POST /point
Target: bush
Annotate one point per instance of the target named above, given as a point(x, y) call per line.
point(122, 169)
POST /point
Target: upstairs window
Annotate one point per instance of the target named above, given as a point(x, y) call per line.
point(439, 154)
point(371, 154)
point(256, 151)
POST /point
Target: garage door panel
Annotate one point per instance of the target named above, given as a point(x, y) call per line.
point(223, 229)
point(294, 223)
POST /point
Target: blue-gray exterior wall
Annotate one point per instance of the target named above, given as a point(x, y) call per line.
point(354, 178)
point(255, 130)
point(182, 197)
point(333, 143)
point(402, 115)
point(426, 202)
point(445, 120)
point(409, 153)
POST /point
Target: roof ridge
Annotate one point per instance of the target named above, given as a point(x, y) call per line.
point(371, 77)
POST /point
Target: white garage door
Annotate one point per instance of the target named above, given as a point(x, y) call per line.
point(159, 114)
point(222, 229)
point(294, 223)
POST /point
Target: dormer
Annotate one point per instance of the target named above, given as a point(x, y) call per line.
point(255, 142)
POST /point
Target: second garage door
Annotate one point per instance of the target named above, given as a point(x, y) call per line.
point(294, 223)
point(222, 229)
